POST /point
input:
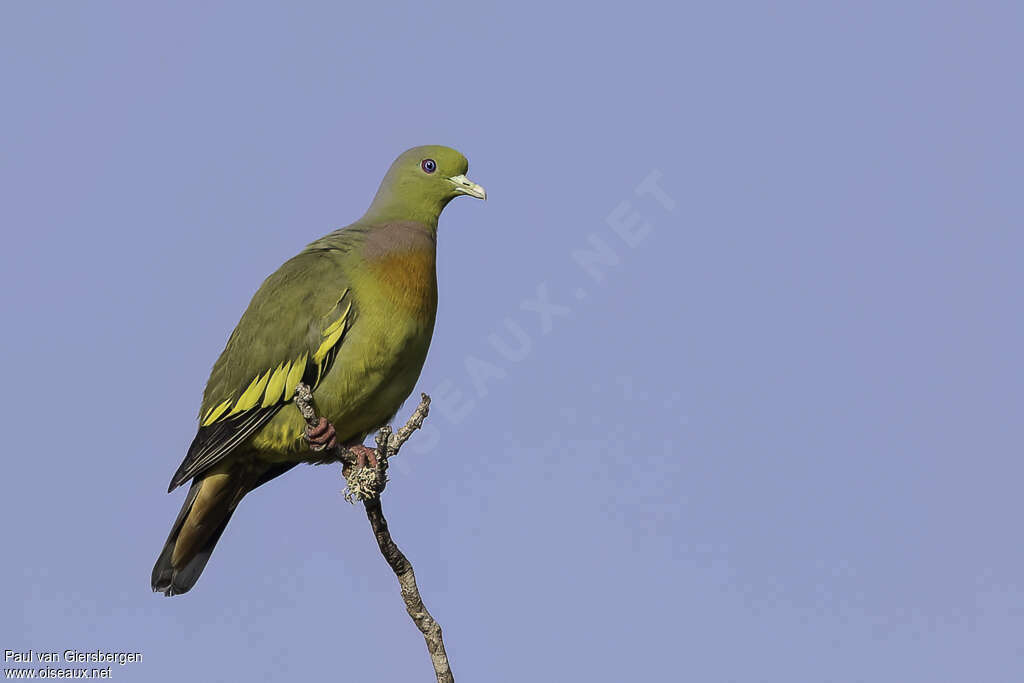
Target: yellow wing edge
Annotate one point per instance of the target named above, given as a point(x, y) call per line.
point(277, 385)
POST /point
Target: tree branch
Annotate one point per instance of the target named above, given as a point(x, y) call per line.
point(366, 484)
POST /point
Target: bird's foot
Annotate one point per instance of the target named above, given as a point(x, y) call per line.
point(322, 436)
point(365, 456)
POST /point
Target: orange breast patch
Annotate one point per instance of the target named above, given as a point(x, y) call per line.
point(408, 279)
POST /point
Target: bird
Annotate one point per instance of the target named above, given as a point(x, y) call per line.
point(352, 316)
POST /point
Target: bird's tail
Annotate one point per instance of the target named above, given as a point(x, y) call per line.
point(203, 517)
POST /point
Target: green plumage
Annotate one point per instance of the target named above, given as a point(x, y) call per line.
point(352, 315)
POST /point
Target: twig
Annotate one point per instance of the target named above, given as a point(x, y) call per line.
point(366, 484)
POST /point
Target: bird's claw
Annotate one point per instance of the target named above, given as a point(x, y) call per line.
point(365, 456)
point(322, 436)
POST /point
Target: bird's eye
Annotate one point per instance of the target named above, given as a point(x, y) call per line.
point(428, 165)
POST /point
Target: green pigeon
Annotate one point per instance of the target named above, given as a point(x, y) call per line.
point(351, 316)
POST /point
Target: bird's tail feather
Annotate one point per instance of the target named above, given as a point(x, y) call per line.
point(211, 500)
point(182, 559)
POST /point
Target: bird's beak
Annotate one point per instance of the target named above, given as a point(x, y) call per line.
point(464, 185)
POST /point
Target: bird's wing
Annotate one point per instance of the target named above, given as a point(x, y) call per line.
point(290, 333)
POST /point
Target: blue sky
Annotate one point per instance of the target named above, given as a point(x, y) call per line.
point(770, 432)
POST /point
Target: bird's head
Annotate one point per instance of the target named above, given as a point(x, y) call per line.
point(421, 182)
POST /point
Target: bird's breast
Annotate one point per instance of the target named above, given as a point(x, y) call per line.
point(381, 356)
point(405, 284)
